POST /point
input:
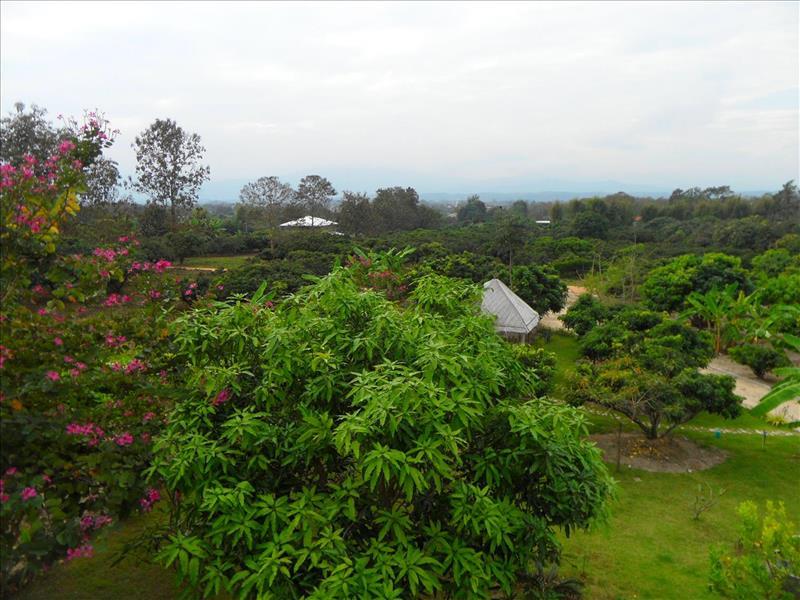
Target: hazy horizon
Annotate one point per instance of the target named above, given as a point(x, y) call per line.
point(443, 97)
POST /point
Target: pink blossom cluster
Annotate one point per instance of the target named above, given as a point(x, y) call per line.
point(3, 496)
point(154, 294)
point(88, 430)
point(124, 439)
point(116, 299)
point(29, 493)
point(85, 551)
point(222, 397)
point(53, 376)
point(113, 341)
point(134, 366)
point(78, 366)
point(157, 267)
point(191, 290)
point(90, 522)
point(150, 498)
point(23, 217)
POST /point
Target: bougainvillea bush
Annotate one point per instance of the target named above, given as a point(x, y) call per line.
point(83, 367)
point(344, 445)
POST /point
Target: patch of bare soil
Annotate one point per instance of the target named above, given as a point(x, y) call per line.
point(550, 320)
point(672, 454)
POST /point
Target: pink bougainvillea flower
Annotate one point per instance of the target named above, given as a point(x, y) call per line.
point(58, 341)
point(53, 375)
point(4, 498)
point(11, 471)
point(29, 493)
point(147, 416)
point(85, 551)
point(150, 498)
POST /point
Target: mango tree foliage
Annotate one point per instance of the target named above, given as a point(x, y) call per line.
point(644, 366)
point(667, 287)
point(341, 445)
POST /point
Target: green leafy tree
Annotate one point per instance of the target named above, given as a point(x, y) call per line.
point(27, 132)
point(340, 445)
point(263, 202)
point(667, 287)
point(473, 211)
point(355, 214)
point(540, 287)
point(168, 166)
point(764, 564)
point(760, 358)
point(586, 313)
point(644, 367)
point(315, 193)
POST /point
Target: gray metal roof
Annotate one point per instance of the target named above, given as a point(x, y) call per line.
point(513, 315)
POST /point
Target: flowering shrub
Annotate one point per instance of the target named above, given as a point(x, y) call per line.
point(342, 445)
point(84, 368)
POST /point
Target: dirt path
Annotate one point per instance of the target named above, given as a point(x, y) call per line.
point(550, 320)
point(751, 388)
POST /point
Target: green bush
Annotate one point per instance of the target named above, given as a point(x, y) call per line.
point(764, 563)
point(760, 358)
point(346, 446)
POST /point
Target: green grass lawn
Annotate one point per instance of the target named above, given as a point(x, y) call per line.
point(652, 548)
point(217, 262)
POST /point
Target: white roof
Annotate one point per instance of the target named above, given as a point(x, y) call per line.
point(513, 315)
point(309, 221)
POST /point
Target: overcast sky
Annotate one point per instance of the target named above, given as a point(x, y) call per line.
point(446, 96)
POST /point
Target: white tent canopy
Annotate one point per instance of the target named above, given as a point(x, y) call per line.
point(513, 315)
point(309, 221)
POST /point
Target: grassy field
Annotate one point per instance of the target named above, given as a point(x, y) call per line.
point(652, 548)
point(216, 262)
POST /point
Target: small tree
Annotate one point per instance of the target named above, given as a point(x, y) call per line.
point(645, 368)
point(759, 357)
point(765, 562)
point(168, 166)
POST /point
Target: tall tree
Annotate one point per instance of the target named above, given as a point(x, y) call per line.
point(27, 132)
point(266, 198)
point(355, 214)
point(102, 181)
point(315, 194)
point(474, 211)
point(168, 165)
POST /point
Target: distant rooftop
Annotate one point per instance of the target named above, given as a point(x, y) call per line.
point(309, 221)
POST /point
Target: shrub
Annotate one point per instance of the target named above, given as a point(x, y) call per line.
point(765, 562)
point(760, 358)
point(343, 445)
point(585, 314)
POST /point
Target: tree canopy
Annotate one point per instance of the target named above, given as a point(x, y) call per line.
point(341, 445)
